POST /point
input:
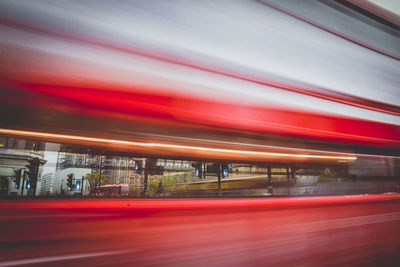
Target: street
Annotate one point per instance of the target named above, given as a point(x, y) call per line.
point(328, 231)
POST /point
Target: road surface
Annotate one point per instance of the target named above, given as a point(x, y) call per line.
point(314, 231)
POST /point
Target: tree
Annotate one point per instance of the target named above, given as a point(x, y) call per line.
point(93, 179)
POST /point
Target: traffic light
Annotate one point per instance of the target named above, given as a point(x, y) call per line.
point(198, 168)
point(32, 173)
point(138, 167)
point(69, 180)
point(17, 178)
point(78, 185)
point(225, 169)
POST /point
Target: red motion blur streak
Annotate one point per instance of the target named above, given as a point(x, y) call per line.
point(218, 114)
point(132, 206)
point(322, 93)
point(316, 231)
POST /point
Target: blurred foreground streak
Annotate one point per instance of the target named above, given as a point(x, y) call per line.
point(250, 72)
point(317, 231)
point(288, 82)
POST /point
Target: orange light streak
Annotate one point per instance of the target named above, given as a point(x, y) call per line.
point(161, 145)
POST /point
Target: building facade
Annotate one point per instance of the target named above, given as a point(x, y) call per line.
point(16, 155)
point(47, 184)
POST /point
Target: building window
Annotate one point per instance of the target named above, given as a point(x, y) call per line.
point(8, 142)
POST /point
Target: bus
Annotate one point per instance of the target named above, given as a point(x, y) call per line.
point(114, 190)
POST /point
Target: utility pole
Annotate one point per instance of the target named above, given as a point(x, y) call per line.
point(100, 169)
point(292, 172)
point(23, 184)
point(288, 178)
point(82, 186)
point(269, 180)
point(219, 179)
point(145, 175)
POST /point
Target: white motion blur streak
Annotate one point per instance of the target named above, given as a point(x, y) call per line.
point(242, 36)
point(60, 258)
